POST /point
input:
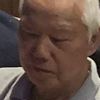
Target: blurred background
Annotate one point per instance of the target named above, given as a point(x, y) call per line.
point(10, 6)
point(8, 33)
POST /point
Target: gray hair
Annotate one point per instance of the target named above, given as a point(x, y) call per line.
point(90, 18)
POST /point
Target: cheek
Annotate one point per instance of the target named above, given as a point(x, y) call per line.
point(70, 59)
point(24, 48)
point(26, 61)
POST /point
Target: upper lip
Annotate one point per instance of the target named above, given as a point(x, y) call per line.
point(43, 70)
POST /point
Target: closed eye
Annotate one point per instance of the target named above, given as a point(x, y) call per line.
point(30, 33)
point(58, 39)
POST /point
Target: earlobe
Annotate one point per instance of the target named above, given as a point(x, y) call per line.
point(94, 44)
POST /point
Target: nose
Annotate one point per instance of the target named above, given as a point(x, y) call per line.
point(41, 52)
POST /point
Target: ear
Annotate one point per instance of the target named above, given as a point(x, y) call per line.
point(94, 43)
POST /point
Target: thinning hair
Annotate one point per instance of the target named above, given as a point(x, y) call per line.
point(90, 17)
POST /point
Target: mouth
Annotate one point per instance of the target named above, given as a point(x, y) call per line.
point(43, 70)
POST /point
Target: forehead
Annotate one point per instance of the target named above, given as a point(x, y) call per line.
point(56, 13)
point(53, 16)
point(56, 6)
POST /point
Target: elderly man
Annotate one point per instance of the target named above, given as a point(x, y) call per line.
point(55, 39)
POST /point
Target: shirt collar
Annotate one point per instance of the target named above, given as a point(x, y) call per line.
point(90, 86)
point(22, 89)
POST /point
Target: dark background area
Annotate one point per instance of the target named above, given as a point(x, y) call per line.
point(10, 6)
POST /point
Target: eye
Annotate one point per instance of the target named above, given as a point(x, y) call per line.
point(58, 40)
point(30, 33)
point(33, 34)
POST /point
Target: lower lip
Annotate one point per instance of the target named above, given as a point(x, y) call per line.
point(43, 70)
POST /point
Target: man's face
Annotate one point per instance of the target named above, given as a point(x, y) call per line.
point(53, 43)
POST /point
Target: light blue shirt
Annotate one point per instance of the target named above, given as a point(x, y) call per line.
point(91, 87)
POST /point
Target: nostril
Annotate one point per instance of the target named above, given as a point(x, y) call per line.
point(39, 60)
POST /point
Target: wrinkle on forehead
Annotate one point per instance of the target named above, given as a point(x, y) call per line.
point(56, 5)
point(69, 10)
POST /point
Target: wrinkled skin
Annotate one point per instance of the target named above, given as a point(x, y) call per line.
point(54, 47)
